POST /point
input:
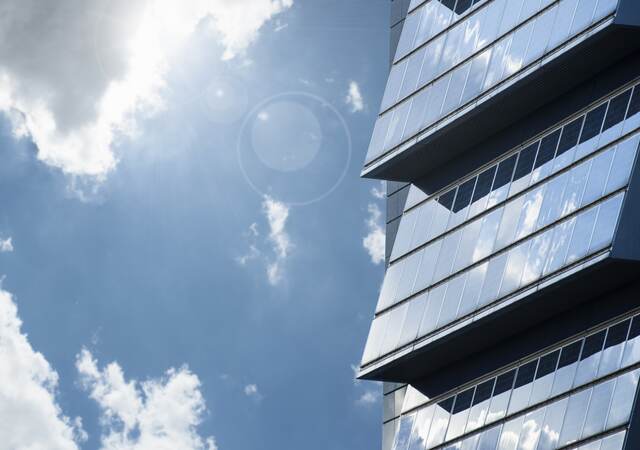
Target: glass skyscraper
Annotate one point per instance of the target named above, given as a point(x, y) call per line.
point(509, 314)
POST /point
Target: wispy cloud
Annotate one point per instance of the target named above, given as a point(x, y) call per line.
point(273, 249)
point(379, 191)
point(29, 412)
point(369, 397)
point(374, 241)
point(105, 68)
point(277, 214)
point(160, 413)
point(354, 97)
point(252, 391)
point(6, 245)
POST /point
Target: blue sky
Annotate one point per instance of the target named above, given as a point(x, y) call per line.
point(203, 235)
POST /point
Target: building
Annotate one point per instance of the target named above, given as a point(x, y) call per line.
point(509, 315)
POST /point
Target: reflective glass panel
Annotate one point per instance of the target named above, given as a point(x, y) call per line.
point(613, 346)
point(574, 417)
point(589, 358)
point(623, 398)
point(522, 387)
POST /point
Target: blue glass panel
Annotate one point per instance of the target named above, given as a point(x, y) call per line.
point(428, 265)
point(623, 399)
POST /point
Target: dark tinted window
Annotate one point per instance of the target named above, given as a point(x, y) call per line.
point(483, 391)
point(570, 354)
point(570, 134)
point(463, 401)
point(446, 199)
point(593, 123)
point(447, 404)
point(547, 364)
point(463, 5)
point(483, 185)
point(505, 171)
point(548, 146)
point(617, 333)
point(634, 105)
point(617, 109)
point(504, 382)
point(525, 161)
point(463, 198)
point(593, 344)
point(635, 328)
point(526, 373)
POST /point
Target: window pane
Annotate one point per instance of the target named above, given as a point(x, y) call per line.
point(614, 442)
point(394, 328)
point(405, 232)
point(498, 61)
point(480, 408)
point(566, 368)
point(615, 115)
point(389, 286)
point(500, 187)
point(552, 203)
point(632, 347)
point(519, 43)
point(374, 341)
point(432, 312)
point(574, 418)
point(421, 428)
point(468, 243)
point(510, 16)
point(444, 205)
point(438, 91)
point(492, 280)
point(447, 253)
point(411, 264)
point(521, 176)
point(597, 177)
point(489, 439)
point(472, 289)
point(412, 320)
point(608, 214)
point(544, 378)
point(583, 16)
point(513, 271)
point(633, 112)
point(613, 346)
point(567, 145)
point(559, 246)
point(440, 422)
point(622, 164)
point(553, 421)
point(460, 414)
point(574, 191)
point(396, 127)
point(449, 311)
point(393, 85)
point(541, 35)
point(522, 387)
point(433, 51)
point(510, 434)
point(489, 29)
point(579, 246)
point(408, 34)
point(590, 358)
point(411, 75)
point(560, 30)
point(623, 398)
point(531, 428)
point(427, 265)
point(501, 394)
point(530, 212)
point(476, 76)
point(484, 245)
point(598, 407)
point(482, 190)
point(404, 432)
point(379, 135)
point(416, 115)
point(509, 222)
point(461, 204)
point(591, 130)
point(544, 160)
point(536, 258)
point(426, 214)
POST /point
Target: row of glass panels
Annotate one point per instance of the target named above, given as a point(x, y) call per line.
point(525, 264)
point(575, 365)
point(456, 45)
point(613, 442)
point(530, 164)
point(599, 126)
point(601, 174)
point(429, 20)
point(604, 406)
point(502, 59)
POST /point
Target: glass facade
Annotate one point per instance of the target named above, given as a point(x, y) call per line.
point(547, 205)
point(509, 314)
point(447, 59)
point(566, 395)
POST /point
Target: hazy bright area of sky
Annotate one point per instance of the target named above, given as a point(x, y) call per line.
point(189, 258)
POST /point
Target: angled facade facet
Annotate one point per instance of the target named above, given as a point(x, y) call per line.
point(509, 314)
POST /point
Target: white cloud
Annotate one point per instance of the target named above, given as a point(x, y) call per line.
point(6, 245)
point(369, 397)
point(156, 414)
point(30, 417)
point(374, 241)
point(273, 250)
point(379, 192)
point(75, 75)
point(354, 97)
point(250, 389)
point(277, 214)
